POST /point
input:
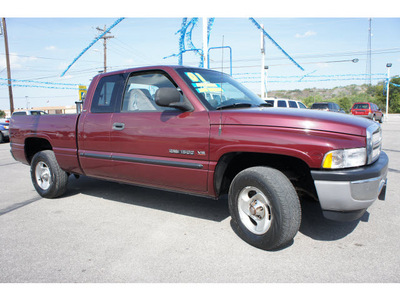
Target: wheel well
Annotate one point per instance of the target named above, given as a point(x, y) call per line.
point(35, 145)
point(295, 169)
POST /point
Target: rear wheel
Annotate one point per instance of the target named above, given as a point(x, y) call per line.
point(49, 180)
point(265, 208)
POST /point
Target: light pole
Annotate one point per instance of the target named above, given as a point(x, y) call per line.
point(27, 102)
point(388, 66)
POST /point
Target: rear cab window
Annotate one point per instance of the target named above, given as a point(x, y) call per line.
point(361, 106)
point(108, 92)
point(320, 106)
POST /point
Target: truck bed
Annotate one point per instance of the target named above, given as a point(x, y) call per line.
point(58, 130)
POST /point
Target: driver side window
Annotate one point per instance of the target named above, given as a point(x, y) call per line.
point(140, 91)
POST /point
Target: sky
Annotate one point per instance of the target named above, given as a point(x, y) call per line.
point(43, 44)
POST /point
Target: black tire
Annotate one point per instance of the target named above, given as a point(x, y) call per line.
point(47, 177)
point(1, 138)
point(271, 194)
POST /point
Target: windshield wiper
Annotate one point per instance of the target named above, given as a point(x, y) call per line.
point(234, 105)
point(265, 105)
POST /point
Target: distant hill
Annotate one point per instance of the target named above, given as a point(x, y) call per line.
point(345, 96)
point(321, 94)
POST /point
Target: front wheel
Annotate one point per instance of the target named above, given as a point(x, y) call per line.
point(49, 180)
point(264, 207)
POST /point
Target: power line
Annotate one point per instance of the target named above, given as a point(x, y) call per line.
point(92, 43)
point(334, 54)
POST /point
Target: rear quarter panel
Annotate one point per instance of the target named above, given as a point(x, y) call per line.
point(58, 130)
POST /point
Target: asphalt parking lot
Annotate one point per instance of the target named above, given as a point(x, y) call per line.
point(109, 232)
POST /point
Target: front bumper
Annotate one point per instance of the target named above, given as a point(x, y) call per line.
point(346, 194)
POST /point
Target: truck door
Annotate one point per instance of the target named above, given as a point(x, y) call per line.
point(159, 146)
point(95, 127)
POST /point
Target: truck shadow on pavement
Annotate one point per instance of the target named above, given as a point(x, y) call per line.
point(313, 224)
point(317, 227)
point(188, 205)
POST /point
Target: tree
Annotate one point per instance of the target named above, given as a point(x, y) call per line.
point(345, 103)
point(394, 95)
point(312, 99)
point(2, 114)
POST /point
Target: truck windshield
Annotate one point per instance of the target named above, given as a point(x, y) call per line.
point(218, 90)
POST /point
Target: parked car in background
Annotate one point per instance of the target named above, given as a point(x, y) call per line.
point(4, 130)
point(327, 106)
point(367, 110)
point(29, 113)
point(285, 103)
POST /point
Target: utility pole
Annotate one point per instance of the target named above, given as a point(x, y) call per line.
point(8, 66)
point(105, 37)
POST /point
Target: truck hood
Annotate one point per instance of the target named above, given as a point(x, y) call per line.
point(293, 118)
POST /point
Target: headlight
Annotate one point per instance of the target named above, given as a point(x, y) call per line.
point(345, 158)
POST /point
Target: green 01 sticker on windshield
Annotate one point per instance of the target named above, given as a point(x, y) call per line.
point(192, 77)
point(195, 77)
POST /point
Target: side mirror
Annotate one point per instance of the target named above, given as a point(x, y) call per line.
point(170, 97)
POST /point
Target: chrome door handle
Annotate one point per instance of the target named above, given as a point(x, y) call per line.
point(118, 126)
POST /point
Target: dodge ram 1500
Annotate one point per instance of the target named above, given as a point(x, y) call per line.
point(200, 132)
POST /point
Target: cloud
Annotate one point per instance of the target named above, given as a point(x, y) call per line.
point(51, 48)
point(17, 62)
point(307, 34)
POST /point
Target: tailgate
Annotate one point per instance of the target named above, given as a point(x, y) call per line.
point(360, 112)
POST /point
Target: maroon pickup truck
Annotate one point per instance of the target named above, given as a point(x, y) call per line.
point(198, 131)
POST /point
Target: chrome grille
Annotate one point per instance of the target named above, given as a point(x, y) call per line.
point(374, 142)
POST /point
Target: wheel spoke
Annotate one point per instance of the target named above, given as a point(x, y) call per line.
point(244, 203)
point(254, 210)
point(43, 175)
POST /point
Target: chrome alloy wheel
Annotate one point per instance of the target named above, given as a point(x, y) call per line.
point(254, 210)
point(43, 175)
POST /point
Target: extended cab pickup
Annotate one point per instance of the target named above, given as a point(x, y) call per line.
point(200, 132)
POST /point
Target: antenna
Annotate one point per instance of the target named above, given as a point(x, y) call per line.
point(222, 60)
